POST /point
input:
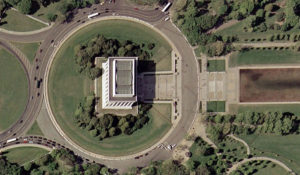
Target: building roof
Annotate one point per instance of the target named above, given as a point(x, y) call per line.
point(122, 78)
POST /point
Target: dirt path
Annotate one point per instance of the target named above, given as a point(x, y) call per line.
point(266, 44)
point(223, 26)
point(240, 140)
point(235, 166)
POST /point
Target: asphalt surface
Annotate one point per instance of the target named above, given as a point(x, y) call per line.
point(53, 36)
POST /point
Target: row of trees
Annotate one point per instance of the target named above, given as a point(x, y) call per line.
point(252, 122)
point(168, 167)
point(108, 125)
point(104, 47)
point(59, 161)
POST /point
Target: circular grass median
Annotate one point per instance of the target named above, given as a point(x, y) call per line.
point(13, 90)
point(67, 88)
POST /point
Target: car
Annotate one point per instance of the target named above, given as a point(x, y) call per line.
point(52, 41)
point(136, 9)
point(78, 21)
point(21, 121)
point(38, 94)
point(37, 67)
point(41, 50)
point(167, 18)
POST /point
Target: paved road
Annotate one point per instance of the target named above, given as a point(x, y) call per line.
point(52, 37)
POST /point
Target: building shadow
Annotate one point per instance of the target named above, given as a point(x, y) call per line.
point(146, 81)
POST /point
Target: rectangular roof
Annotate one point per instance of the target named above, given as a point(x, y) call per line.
point(124, 78)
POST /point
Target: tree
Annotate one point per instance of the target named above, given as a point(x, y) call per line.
point(13, 2)
point(280, 16)
point(51, 17)
point(121, 51)
point(95, 72)
point(219, 118)
point(260, 14)
point(2, 7)
point(112, 131)
point(94, 132)
point(151, 46)
point(269, 7)
point(202, 170)
point(27, 166)
point(287, 126)
point(105, 171)
point(25, 6)
point(277, 128)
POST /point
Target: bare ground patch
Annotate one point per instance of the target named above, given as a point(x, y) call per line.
point(270, 85)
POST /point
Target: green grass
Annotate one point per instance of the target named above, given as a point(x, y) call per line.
point(67, 87)
point(216, 65)
point(52, 8)
point(13, 90)
point(216, 106)
point(29, 49)
point(287, 147)
point(259, 57)
point(276, 170)
point(293, 108)
point(22, 155)
point(18, 22)
point(35, 130)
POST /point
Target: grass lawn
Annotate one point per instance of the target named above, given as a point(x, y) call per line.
point(293, 108)
point(287, 147)
point(22, 155)
point(29, 49)
point(216, 106)
point(13, 90)
point(35, 130)
point(273, 170)
point(258, 57)
point(67, 88)
point(216, 65)
point(18, 22)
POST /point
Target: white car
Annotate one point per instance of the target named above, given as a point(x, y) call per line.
point(167, 18)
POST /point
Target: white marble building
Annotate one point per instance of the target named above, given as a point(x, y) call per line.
point(119, 83)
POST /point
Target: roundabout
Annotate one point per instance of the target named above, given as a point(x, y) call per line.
point(66, 87)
